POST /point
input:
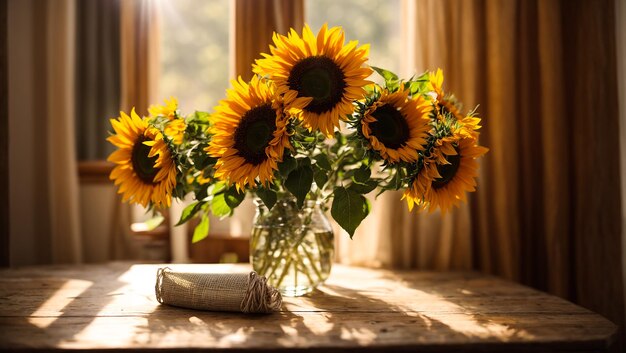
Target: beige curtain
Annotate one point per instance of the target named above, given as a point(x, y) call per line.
point(62, 167)
point(45, 215)
point(548, 210)
point(392, 237)
point(254, 23)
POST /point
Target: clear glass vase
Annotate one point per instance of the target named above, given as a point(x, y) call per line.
point(293, 248)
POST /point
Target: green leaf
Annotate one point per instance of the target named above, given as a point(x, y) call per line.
point(268, 197)
point(386, 74)
point(299, 182)
point(219, 207)
point(206, 173)
point(202, 116)
point(397, 180)
point(362, 174)
point(303, 162)
point(202, 161)
point(189, 212)
point(391, 79)
point(364, 188)
point(322, 161)
point(202, 229)
point(233, 198)
point(349, 173)
point(217, 188)
point(349, 209)
point(424, 77)
point(179, 191)
point(202, 192)
point(321, 177)
point(287, 166)
point(415, 86)
point(154, 222)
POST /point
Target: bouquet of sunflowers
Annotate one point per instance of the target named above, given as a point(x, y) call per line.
point(309, 125)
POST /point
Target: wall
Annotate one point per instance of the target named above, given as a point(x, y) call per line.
point(97, 203)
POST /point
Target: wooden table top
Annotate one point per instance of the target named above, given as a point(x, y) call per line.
point(109, 306)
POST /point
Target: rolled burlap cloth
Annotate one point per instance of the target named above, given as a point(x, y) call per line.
point(242, 292)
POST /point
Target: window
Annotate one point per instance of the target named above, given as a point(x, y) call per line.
point(194, 52)
point(369, 21)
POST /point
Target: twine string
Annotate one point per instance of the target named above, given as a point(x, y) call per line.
point(158, 288)
point(260, 297)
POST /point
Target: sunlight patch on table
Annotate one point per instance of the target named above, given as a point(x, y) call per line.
point(456, 317)
point(52, 308)
point(359, 335)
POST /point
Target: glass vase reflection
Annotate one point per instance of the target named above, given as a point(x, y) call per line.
point(293, 248)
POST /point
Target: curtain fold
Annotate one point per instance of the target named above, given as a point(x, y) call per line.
point(592, 108)
point(139, 54)
point(44, 200)
point(547, 212)
point(254, 22)
point(97, 75)
point(62, 165)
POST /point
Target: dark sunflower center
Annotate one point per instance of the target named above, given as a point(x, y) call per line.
point(390, 127)
point(255, 131)
point(142, 164)
point(447, 171)
point(321, 78)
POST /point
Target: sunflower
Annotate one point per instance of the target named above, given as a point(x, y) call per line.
point(144, 171)
point(168, 110)
point(318, 73)
point(174, 126)
point(444, 104)
point(175, 130)
point(469, 126)
point(397, 126)
point(249, 133)
point(469, 123)
point(447, 174)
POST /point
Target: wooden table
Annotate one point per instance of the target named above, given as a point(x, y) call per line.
point(100, 307)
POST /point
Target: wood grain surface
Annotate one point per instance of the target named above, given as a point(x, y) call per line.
point(102, 307)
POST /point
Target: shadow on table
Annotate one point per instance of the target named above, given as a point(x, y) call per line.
point(334, 316)
point(491, 310)
point(409, 307)
point(60, 303)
